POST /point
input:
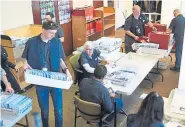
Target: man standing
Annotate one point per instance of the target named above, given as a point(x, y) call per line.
point(59, 34)
point(45, 52)
point(177, 27)
point(134, 27)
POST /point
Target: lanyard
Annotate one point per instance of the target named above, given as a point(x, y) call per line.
point(43, 56)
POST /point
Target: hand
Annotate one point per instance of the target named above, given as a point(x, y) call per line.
point(112, 94)
point(136, 38)
point(68, 74)
point(143, 41)
point(27, 66)
point(16, 68)
point(154, 28)
point(109, 62)
point(9, 89)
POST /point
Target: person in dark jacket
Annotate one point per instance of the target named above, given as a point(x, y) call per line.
point(60, 33)
point(150, 113)
point(93, 90)
point(45, 52)
point(134, 27)
point(177, 27)
point(6, 65)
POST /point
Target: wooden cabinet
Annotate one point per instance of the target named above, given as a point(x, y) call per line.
point(80, 26)
point(80, 29)
point(108, 18)
point(53, 6)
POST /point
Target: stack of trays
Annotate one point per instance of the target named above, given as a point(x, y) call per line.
point(14, 103)
point(49, 79)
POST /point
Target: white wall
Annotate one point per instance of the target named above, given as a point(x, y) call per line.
point(182, 71)
point(82, 3)
point(15, 13)
point(120, 7)
point(168, 7)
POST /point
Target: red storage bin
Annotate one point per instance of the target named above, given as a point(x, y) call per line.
point(88, 12)
point(98, 25)
point(161, 38)
point(92, 27)
point(87, 28)
point(159, 27)
point(143, 38)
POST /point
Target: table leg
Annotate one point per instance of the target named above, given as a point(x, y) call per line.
point(170, 57)
point(148, 79)
point(157, 72)
point(27, 123)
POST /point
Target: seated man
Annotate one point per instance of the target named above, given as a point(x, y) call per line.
point(93, 90)
point(88, 60)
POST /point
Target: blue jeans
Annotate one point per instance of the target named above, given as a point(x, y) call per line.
point(178, 54)
point(43, 100)
point(119, 106)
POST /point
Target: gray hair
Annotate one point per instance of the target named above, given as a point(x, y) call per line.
point(177, 11)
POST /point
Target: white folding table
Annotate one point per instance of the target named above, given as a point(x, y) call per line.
point(10, 120)
point(143, 65)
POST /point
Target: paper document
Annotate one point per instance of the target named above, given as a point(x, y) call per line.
point(173, 124)
point(178, 103)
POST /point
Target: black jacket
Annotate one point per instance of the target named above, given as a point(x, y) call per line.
point(5, 64)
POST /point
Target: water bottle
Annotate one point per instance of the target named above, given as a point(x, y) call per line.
point(36, 120)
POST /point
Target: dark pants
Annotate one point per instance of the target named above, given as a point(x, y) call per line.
point(13, 82)
point(178, 54)
point(128, 49)
point(43, 100)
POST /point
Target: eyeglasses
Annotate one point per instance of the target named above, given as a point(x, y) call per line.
point(89, 49)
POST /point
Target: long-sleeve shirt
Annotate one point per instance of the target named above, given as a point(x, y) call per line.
point(92, 90)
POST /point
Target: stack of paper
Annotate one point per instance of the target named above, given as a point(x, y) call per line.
point(136, 46)
point(173, 124)
point(46, 78)
point(152, 51)
point(107, 44)
point(104, 44)
point(121, 76)
point(14, 103)
point(178, 103)
point(19, 40)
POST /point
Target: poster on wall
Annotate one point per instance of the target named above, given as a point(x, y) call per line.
point(47, 6)
point(64, 11)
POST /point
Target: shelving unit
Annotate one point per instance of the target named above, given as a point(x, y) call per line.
point(108, 23)
point(79, 28)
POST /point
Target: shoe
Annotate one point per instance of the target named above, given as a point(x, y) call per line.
point(175, 69)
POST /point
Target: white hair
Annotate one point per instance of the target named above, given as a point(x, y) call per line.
point(89, 44)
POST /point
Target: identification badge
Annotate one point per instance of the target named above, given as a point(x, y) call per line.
point(45, 69)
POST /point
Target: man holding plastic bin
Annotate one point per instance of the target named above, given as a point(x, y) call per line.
point(45, 52)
